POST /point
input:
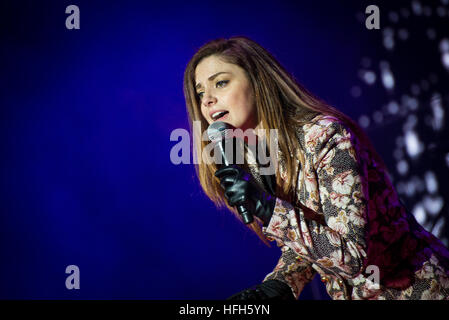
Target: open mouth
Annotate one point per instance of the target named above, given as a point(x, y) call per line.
point(220, 115)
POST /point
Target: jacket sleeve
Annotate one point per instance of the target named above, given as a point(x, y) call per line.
point(292, 270)
point(333, 168)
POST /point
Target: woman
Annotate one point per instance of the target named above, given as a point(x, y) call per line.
point(330, 207)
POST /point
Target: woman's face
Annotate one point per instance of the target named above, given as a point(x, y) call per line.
point(224, 87)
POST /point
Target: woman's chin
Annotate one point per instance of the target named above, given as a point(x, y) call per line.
point(229, 122)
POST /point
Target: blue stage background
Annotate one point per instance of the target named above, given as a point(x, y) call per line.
point(86, 118)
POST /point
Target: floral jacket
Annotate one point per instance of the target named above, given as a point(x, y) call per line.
point(352, 228)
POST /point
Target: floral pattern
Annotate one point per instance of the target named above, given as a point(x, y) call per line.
point(364, 225)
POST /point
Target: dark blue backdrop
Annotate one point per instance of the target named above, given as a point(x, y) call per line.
point(86, 117)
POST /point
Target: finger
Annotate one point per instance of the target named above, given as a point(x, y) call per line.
point(225, 171)
point(227, 182)
point(228, 195)
point(235, 200)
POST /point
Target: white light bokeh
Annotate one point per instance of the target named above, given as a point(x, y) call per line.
point(403, 34)
point(410, 188)
point(388, 38)
point(419, 213)
point(431, 182)
point(416, 102)
point(364, 121)
point(378, 117)
point(433, 205)
point(437, 112)
point(386, 75)
point(416, 7)
point(437, 229)
point(413, 145)
point(410, 102)
point(393, 107)
point(369, 77)
point(445, 60)
point(402, 167)
point(410, 123)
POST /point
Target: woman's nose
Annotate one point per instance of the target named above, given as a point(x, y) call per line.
point(209, 100)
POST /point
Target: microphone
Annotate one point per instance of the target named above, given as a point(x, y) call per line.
point(220, 132)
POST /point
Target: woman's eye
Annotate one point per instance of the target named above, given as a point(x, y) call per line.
point(222, 83)
point(219, 84)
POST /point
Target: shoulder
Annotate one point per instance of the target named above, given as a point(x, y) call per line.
point(325, 129)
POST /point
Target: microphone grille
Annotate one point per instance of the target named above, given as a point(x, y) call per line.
point(219, 130)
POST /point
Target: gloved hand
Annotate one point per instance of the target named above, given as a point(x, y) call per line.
point(268, 290)
point(241, 189)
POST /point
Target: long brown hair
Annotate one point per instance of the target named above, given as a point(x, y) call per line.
point(281, 103)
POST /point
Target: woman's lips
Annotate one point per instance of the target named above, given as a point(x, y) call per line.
point(223, 117)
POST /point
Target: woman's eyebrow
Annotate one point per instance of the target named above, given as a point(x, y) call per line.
point(212, 77)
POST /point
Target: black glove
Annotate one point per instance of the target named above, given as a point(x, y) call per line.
point(241, 189)
point(268, 290)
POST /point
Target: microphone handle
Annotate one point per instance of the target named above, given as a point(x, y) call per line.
point(246, 216)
